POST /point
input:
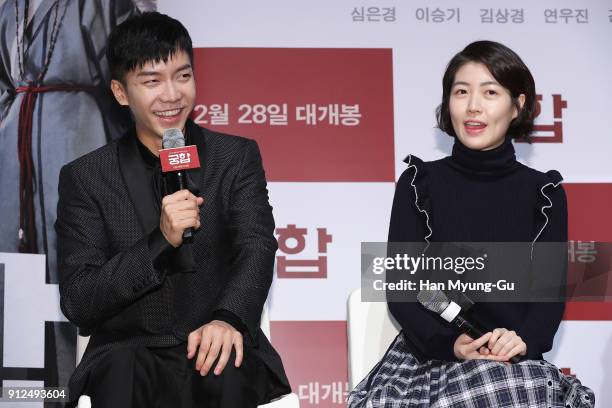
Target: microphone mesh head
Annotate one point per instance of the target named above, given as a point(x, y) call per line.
point(173, 138)
point(434, 300)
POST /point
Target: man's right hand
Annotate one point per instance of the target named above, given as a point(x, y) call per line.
point(179, 211)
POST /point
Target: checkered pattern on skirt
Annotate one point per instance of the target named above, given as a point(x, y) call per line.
point(399, 380)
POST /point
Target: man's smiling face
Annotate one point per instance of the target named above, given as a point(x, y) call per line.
point(161, 95)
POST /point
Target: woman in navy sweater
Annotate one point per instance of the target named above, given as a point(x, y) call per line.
point(480, 193)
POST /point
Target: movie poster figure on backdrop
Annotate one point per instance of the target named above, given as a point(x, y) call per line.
point(55, 105)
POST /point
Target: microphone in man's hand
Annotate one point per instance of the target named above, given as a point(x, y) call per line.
point(175, 159)
point(438, 302)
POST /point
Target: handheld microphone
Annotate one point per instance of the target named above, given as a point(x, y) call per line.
point(438, 302)
point(175, 159)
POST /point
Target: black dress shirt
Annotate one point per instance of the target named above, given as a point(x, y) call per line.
point(161, 250)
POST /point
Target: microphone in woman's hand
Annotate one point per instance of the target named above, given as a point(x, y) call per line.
point(438, 302)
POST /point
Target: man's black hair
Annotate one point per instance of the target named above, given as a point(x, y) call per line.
point(148, 37)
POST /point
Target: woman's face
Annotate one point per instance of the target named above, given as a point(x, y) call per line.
point(481, 109)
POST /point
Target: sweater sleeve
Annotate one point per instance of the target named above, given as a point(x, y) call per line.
point(543, 318)
point(426, 334)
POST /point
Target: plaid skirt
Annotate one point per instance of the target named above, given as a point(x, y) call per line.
point(399, 380)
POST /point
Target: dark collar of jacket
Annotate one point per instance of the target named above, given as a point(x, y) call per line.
point(133, 171)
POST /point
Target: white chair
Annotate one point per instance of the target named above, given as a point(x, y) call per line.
point(371, 329)
point(286, 401)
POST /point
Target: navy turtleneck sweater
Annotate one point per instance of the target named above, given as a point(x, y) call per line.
point(478, 196)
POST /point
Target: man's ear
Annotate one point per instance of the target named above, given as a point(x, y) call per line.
point(521, 101)
point(120, 92)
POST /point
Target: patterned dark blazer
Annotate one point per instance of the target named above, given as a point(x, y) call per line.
point(106, 224)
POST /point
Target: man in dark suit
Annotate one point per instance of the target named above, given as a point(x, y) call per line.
point(172, 324)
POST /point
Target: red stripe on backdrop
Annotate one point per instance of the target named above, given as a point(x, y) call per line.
point(590, 219)
point(314, 354)
point(588, 311)
point(590, 211)
point(299, 104)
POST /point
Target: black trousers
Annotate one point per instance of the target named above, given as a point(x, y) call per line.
point(139, 376)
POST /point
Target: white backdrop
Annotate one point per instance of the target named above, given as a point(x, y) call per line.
point(571, 57)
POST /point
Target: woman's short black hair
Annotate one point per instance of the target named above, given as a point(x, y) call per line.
point(148, 37)
point(508, 69)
